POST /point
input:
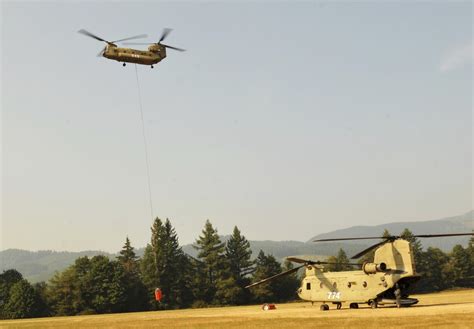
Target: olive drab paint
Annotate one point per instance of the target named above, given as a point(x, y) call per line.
point(155, 54)
point(156, 51)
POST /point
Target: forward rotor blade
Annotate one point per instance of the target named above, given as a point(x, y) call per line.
point(293, 270)
point(175, 48)
point(363, 252)
point(131, 38)
point(82, 31)
point(346, 239)
point(165, 33)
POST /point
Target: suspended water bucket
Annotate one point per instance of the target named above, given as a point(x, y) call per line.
point(158, 295)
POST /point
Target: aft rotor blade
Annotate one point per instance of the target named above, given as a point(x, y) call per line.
point(175, 48)
point(131, 38)
point(363, 252)
point(165, 33)
point(82, 31)
point(441, 235)
point(293, 270)
point(334, 263)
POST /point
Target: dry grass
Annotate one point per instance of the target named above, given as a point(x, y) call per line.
point(452, 309)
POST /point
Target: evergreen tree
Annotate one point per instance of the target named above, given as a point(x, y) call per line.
point(267, 266)
point(107, 286)
point(63, 295)
point(338, 263)
point(228, 292)
point(459, 267)
point(165, 266)
point(287, 285)
point(128, 258)
point(24, 302)
point(238, 255)
point(433, 277)
point(7, 279)
point(90, 286)
point(136, 292)
point(470, 252)
point(211, 254)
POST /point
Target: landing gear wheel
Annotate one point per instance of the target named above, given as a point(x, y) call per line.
point(152, 66)
point(354, 305)
point(124, 64)
point(373, 303)
point(324, 307)
point(338, 306)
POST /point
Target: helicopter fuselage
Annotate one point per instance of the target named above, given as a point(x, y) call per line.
point(393, 268)
point(153, 55)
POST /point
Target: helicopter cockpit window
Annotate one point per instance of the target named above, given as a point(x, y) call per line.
point(308, 285)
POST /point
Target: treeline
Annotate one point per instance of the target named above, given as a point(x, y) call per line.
point(96, 285)
point(217, 276)
point(438, 270)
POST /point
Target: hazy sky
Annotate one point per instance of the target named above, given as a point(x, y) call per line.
point(286, 119)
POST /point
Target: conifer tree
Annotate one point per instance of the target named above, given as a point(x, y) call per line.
point(136, 292)
point(470, 251)
point(459, 266)
point(267, 266)
point(164, 266)
point(211, 254)
point(286, 286)
point(434, 278)
point(128, 258)
point(339, 263)
point(238, 255)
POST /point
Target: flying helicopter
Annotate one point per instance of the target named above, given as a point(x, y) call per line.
point(156, 51)
point(386, 281)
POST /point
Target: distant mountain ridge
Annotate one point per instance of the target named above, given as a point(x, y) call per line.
point(41, 265)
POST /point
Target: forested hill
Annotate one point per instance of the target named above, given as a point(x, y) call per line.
point(38, 266)
point(456, 224)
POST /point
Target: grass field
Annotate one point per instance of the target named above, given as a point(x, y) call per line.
point(451, 309)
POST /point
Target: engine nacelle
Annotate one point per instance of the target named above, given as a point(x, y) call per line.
point(371, 268)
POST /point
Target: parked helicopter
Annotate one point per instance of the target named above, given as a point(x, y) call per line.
point(383, 282)
point(156, 51)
